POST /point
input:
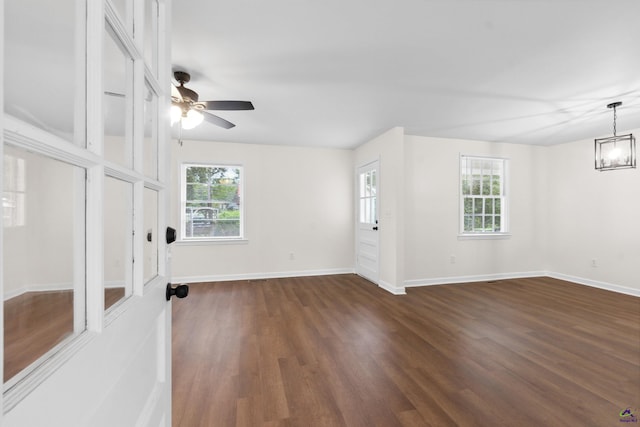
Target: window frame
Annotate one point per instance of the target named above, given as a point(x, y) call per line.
point(183, 238)
point(504, 231)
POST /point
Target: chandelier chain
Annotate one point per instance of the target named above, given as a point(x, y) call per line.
point(614, 120)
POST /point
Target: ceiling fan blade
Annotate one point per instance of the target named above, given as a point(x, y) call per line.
point(175, 93)
point(187, 94)
point(228, 105)
point(218, 121)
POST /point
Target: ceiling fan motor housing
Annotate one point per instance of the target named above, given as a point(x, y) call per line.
point(187, 94)
point(182, 77)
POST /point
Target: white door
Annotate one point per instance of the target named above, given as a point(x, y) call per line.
point(84, 262)
point(367, 228)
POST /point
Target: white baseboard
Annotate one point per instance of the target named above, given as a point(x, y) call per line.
point(392, 289)
point(474, 278)
point(595, 284)
point(384, 285)
point(520, 275)
point(259, 276)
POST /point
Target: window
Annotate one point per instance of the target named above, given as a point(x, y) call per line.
point(13, 194)
point(211, 202)
point(483, 197)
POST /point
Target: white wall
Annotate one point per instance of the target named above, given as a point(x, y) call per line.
point(593, 216)
point(563, 214)
point(432, 212)
point(296, 200)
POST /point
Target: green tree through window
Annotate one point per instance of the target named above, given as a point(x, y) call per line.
point(482, 195)
point(212, 206)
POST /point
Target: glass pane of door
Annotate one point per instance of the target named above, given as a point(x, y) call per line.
point(150, 133)
point(151, 234)
point(368, 194)
point(117, 101)
point(44, 66)
point(43, 203)
point(118, 240)
point(151, 35)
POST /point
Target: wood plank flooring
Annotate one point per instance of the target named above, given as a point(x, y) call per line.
point(338, 351)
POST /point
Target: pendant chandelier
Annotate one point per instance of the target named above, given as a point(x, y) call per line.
point(617, 151)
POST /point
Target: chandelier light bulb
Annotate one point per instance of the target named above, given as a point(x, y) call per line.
point(175, 114)
point(192, 119)
point(615, 154)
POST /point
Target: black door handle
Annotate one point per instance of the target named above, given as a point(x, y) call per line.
point(180, 291)
point(375, 228)
point(171, 235)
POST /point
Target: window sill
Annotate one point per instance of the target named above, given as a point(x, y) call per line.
point(206, 242)
point(484, 236)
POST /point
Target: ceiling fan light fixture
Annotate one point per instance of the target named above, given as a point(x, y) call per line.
point(617, 151)
point(176, 114)
point(191, 119)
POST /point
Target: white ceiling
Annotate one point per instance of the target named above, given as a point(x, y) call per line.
point(336, 73)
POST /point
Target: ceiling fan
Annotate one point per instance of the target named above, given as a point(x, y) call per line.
point(186, 108)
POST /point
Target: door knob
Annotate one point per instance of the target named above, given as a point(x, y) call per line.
point(171, 235)
point(179, 291)
point(375, 228)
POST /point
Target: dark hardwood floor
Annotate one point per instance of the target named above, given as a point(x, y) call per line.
point(338, 351)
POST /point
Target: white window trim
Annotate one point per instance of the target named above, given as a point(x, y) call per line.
point(182, 240)
point(504, 216)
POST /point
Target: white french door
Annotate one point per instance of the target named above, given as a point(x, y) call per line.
point(367, 240)
point(85, 178)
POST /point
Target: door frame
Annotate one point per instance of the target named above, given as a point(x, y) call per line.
point(360, 269)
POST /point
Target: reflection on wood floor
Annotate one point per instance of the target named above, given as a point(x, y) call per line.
point(35, 322)
point(339, 351)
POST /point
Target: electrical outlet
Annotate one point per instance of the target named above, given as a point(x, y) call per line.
point(291, 256)
point(594, 263)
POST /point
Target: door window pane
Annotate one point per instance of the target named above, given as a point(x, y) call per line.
point(118, 240)
point(150, 157)
point(368, 192)
point(44, 66)
point(43, 257)
point(151, 34)
point(117, 101)
point(151, 234)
